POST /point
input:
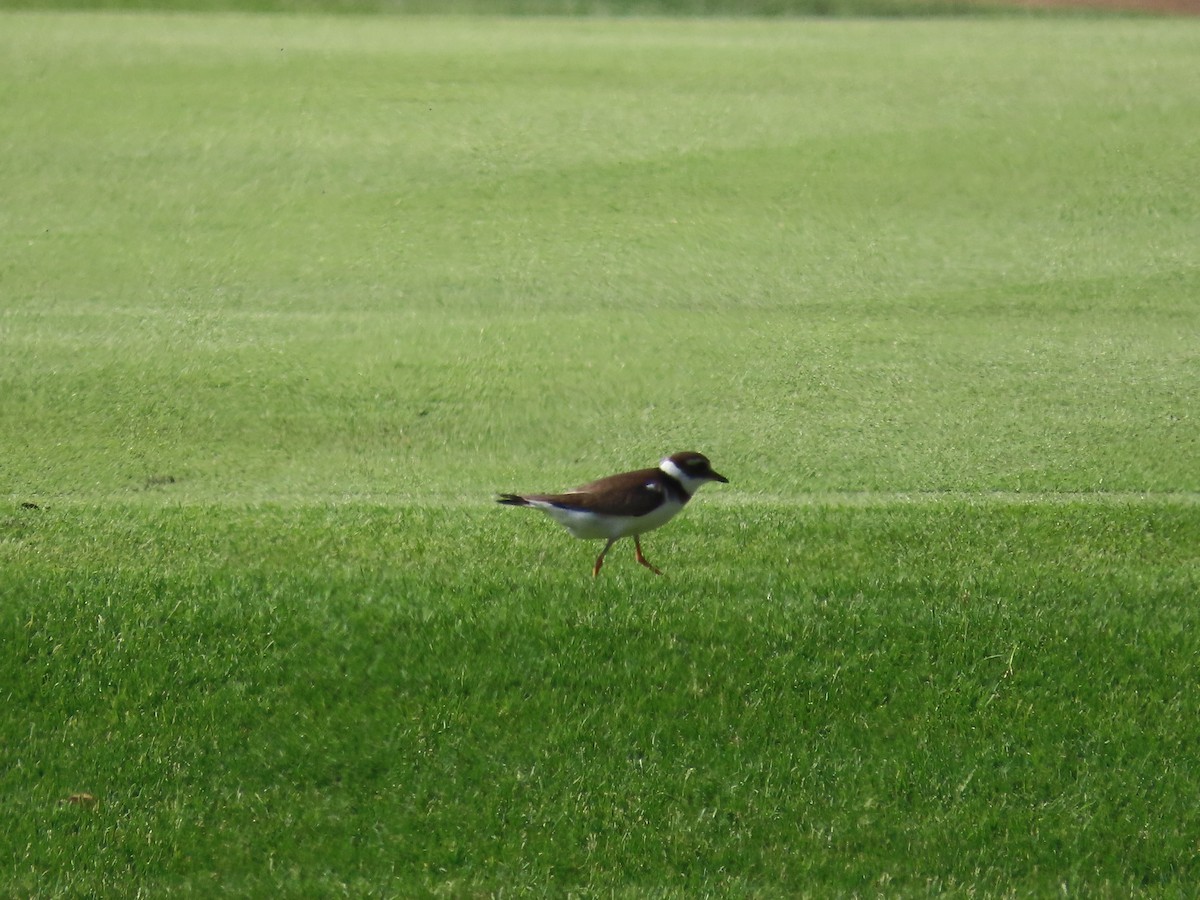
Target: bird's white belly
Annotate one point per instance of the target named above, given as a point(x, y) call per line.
point(583, 524)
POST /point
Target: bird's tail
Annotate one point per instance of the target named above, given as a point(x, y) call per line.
point(513, 500)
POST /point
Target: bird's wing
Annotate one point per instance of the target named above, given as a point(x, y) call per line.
point(627, 494)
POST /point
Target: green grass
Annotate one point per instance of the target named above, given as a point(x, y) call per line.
point(905, 698)
point(676, 8)
point(285, 300)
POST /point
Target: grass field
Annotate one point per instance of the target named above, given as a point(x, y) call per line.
point(285, 300)
point(672, 8)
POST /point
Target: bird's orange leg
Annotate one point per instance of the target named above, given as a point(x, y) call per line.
point(600, 558)
point(637, 543)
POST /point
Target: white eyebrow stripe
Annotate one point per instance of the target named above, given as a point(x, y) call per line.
point(668, 465)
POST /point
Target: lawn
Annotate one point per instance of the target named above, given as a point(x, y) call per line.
point(285, 300)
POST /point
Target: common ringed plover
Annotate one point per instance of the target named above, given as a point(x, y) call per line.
point(629, 504)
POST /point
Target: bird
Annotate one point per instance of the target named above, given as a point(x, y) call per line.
point(625, 505)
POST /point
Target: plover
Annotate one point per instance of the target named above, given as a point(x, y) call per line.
point(625, 505)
